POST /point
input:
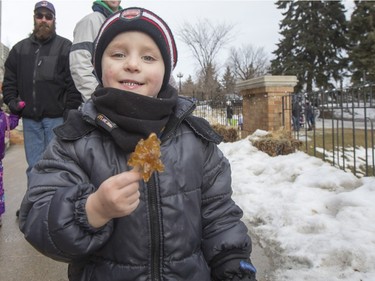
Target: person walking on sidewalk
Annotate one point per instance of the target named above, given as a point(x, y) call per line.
point(87, 206)
point(310, 116)
point(37, 72)
point(84, 35)
point(229, 114)
point(7, 123)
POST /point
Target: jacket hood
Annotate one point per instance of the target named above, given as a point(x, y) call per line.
point(102, 7)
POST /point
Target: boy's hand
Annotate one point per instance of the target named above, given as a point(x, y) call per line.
point(118, 196)
point(235, 270)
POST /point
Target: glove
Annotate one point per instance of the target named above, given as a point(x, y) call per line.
point(247, 272)
point(235, 270)
point(21, 104)
point(16, 106)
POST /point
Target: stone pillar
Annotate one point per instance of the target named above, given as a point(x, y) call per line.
point(263, 106)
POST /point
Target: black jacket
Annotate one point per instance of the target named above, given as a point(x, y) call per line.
point(38, 73)
point(185, 224)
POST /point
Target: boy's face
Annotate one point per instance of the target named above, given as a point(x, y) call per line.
point(132, 61)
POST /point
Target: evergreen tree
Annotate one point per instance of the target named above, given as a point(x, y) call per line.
point(228, 81)
point(208, 83)
point(313, 44)
point(362, 42)
point(189, 89)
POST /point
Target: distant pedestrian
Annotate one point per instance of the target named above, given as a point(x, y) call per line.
point(7, 123)
point(296, 115)
point(310, 116)
point(229, 114)
point(240, 121)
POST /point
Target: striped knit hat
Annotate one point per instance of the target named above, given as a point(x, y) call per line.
point(137, 19)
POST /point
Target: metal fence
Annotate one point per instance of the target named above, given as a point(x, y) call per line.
point(343, 129)
point(216, 114)
point(342, 132)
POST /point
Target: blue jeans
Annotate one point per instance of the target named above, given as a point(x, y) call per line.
point(37, 135)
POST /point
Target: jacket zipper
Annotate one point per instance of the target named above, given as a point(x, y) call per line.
point(155, 230)
point(36, 65)
point(155, 215)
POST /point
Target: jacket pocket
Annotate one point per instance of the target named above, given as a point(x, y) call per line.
point(46, 68)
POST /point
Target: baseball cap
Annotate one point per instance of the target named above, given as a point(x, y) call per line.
point(45, 4)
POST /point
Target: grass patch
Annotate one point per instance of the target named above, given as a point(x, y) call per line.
point(331, 139)
point(338, 146)
point(229, 134)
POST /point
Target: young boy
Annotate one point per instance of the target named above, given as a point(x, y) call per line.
point(87, 207)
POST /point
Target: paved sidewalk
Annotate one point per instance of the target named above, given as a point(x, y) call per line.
point(21, 262)
point(18, 260)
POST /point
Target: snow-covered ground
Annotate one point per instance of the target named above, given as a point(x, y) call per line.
point(361, 111)
point(316, 220)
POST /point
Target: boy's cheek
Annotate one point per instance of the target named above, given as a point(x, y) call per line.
point(107, 77)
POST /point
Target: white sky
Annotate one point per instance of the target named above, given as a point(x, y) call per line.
point(316, 221)
point(256, 22)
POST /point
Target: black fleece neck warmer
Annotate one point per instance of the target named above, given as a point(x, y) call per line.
point(128, 117)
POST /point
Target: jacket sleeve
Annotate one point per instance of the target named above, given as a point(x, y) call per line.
point(10, 91)
point(73, 97)
point(81, 52)
point(13, 121)
point(52, 213)
point(225, 236)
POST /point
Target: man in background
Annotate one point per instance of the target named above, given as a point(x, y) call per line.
point(37, 75)
point(84, 34)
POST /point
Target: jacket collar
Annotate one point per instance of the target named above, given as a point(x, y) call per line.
point(36, 41)
point(81, 122)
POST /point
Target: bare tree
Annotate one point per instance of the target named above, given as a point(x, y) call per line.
point(205, 40)
point(248, 62)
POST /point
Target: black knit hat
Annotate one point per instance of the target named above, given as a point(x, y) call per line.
point(137, 19)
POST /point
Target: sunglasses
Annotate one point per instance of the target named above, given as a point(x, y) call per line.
point(40, 16)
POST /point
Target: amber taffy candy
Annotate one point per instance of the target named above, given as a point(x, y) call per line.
point(146, 157)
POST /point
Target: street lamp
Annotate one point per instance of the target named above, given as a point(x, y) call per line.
point(180, 75)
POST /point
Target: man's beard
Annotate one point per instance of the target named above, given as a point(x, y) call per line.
point(43, 31)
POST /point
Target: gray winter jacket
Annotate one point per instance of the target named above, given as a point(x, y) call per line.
point(80, 59)
point(185, 223)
